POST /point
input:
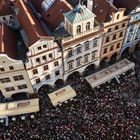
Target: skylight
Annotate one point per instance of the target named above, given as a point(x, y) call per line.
point(46, 4)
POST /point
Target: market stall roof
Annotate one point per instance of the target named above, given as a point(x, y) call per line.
point(19, 107)
point(110, 72)
point(62, 95)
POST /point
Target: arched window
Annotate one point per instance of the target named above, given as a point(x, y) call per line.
point(88, 26)
point(78, 29)
point(118, 16)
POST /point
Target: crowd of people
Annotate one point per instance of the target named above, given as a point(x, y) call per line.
point(110, 111)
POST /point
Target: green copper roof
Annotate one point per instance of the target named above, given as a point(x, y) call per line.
point(78, 14)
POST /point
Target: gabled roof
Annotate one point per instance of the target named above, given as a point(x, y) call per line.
point(128, 4)
point(8, 42)
point(30, 23)
point(78, 14)
point(54, 15)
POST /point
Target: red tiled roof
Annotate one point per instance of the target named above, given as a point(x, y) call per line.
point(103, 10)
point(4, 8)
point(53, 17)
point(7, 41)
point(29, 22)
point(128, 4)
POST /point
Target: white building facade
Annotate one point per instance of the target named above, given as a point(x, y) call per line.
point(44, 65)
point(13, 77)
point(83, 47)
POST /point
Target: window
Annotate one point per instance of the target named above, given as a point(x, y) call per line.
point(70, 65)
point(22, 86)
point(131, 28)
point(46, 67)
point(109, 30)
point(4, 18)
point(118, 45)
point(95, 43)
point(137, 35)
point(18, 77)
point(118, 16)
point(9, 89)
point(39, 48)
point(79, 50)
point(70, 53)
point(93, 55)
point(123, 25)
point(5, 80)
point(78, 61)
point(45, 46)
point(88, 26)
point(107, 39)
point(78, 29)
point(86, 58)
point(37, 80)
point(128, 40)
point(11, 67)
point(114, 36)
point(56, 63)
point(2, 69)
point(105, 50)
point(47, 76)
point(44, 58)
point(121, 34)
point(35, 71)
point(38, 60)
point(86, 46)
point(111, 48)
point(11, 17)
point(57, 73)
point(116, 27)
point(50, 55)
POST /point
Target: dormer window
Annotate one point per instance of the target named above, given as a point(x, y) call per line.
point(88, 26)
point(118, 16)
point(78, 29)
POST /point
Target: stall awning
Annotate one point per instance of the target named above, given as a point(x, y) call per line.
point(109, 73)
point(19, 107)
point(62, 95)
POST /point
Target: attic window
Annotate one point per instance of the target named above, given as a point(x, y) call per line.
point(95, 6)
point(78, 29)
point(4, 18)
point(118, 16)
point(61, 10)
point(88, 26)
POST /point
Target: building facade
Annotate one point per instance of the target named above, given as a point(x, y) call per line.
point(13, 77)
point(44, 59)
point(82, 47)
point(114, 35)
point(115, 23)
point(132, 36)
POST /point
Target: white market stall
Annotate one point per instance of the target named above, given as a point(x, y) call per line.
point(109, 73)
point(62, 95)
